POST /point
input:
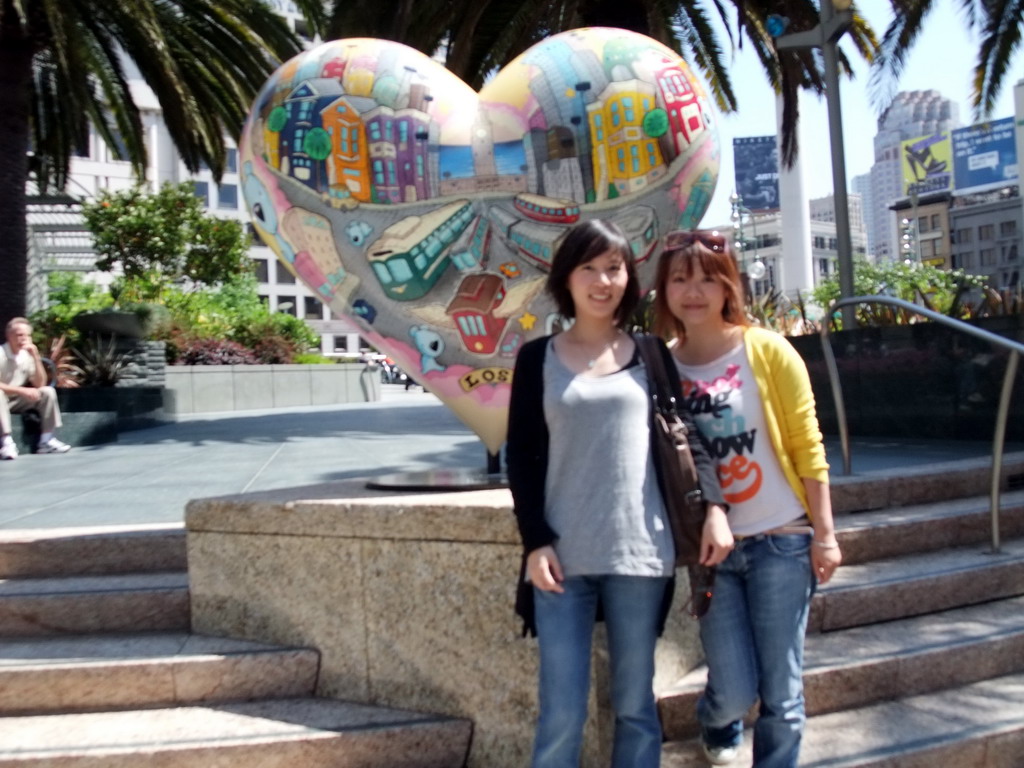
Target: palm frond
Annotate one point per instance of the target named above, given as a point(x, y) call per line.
point(698, 45)
point(1001, 36)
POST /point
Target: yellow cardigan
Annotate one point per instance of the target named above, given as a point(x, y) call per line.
point(785, 389)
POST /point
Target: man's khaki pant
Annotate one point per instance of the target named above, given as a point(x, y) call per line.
point(46, 406)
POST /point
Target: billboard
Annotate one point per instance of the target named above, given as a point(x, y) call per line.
point(927, 163)
point(984, 156)
point(756, 164)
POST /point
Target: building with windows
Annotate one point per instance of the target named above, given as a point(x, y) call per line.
point(986, 234)
point(861, 185)
point(979, 233)
point(911, 114)
point(923, 229)
point(760, 236)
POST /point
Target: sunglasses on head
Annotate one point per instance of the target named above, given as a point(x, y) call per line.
point(711, 239)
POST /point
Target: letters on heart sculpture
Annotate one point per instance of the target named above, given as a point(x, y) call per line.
point(429, 214)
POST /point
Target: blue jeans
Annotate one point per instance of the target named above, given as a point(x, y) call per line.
point(565, 627)
point(753, 638)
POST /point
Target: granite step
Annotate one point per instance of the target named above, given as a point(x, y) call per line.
point(92, 551)
point(863, 665)
point(78, 673)
point(897, 531)
point(305, 732)
point(925, 484)
point(976, 726)
point(91, 604)
point(915, 584)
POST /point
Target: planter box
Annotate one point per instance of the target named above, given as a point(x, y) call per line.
point(220, 388)
point(111, 323)
point(917, 381)
point(408, 599)
point(96, 415)
point(133, 407)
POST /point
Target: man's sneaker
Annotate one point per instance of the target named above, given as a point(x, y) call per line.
point(720, 755)
point(53, 445)
point(8, 451)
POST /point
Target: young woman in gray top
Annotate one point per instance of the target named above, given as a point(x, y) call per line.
point(593, 523)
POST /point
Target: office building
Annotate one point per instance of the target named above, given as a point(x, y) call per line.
point(911, 114)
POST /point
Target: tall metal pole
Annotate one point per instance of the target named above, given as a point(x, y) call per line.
point(835, 132)
point(833, 26)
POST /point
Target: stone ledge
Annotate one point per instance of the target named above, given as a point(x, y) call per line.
point(219, 388)
point(349, 509)
point(408, 598)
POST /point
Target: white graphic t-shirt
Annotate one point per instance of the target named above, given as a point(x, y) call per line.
point(725, 403)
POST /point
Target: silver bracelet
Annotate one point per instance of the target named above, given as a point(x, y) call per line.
point(823, 545)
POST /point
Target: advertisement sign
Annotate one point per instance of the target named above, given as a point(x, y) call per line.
point(927, 164)
point(984, 156)
point(756, 161)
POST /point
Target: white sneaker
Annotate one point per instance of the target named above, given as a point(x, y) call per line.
point(53, 445)
point(720, 755)
point(8, 451)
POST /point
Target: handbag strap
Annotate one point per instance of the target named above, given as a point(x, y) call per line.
point(657, 376)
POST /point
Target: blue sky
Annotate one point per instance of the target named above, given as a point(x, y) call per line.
point(943, 59)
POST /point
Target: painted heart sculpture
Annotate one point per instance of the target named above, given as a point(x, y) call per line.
point(428, 213)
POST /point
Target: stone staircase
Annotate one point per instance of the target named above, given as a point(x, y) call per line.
point(98, 668)
point(915, 650)
point(915, 653)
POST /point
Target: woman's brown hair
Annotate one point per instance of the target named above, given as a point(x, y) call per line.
point(711, 251)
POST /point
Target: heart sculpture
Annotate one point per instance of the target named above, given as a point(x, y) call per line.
point(429, 214)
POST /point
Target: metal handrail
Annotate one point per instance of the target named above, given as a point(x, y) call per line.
point(998, 438)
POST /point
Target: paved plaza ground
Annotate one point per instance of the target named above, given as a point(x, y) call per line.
point(148, 475)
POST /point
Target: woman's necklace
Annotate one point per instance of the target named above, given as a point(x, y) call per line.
point(604, 348)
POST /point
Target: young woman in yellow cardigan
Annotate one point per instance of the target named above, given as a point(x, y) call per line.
point(750, 395)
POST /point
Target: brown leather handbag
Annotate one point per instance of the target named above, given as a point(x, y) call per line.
point(677, 476)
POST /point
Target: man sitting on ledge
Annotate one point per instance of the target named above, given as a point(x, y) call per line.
point(22, 388)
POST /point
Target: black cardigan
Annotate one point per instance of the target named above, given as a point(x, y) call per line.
point(527, 458)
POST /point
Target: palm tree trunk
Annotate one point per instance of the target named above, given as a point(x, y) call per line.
point(15, 76)
point(461, 49)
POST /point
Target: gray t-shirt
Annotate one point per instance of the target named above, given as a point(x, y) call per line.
point(602, 496)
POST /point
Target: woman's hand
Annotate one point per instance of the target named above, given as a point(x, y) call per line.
point(825, 558)
point(716, 541)
point(544, 569)
point(825, 553)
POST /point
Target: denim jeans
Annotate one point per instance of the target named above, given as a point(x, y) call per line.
point(753, 638)
point(565, 627)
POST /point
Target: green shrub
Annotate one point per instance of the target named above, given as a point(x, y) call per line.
point(232, 312)
point(159, 239)
point(941, 290)
point(309, 358)
point(70, 295)
point(215, 352)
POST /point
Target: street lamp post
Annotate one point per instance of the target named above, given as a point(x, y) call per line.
point(755, 271)
point(835, 19)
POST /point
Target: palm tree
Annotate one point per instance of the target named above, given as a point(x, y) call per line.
point(482, 35)
point(999, 22)
point(63, 66)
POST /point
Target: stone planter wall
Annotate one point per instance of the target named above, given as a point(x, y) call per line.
point(917, 381)
point(147, 363)
point(408, 598)
point(219, 388)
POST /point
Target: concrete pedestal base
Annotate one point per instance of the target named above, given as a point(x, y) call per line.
point(407, 597)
